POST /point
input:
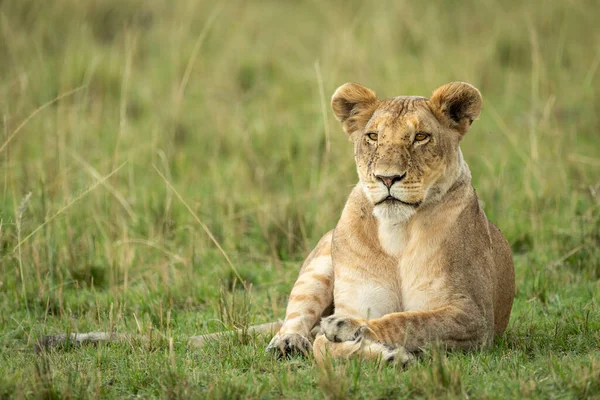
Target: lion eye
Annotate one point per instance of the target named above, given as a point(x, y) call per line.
point(372, 135)
point(419, 137)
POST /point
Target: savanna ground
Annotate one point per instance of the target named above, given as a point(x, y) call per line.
point(132, 129)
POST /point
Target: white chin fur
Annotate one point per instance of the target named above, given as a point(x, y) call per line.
point(394, 212)
point(391, 212)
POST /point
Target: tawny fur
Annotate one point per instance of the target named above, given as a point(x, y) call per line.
point(423, 266)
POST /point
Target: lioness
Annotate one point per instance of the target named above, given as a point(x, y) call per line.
point(413, 259)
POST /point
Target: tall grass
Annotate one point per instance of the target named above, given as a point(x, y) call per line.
point(160, 159)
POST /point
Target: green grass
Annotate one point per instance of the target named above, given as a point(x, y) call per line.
point(228, 101)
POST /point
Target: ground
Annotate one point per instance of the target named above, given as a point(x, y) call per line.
point(136, 135)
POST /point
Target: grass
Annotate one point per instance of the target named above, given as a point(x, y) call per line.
point(136, 135)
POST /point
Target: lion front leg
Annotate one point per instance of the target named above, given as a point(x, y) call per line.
point(311, 296)
point(451, 326)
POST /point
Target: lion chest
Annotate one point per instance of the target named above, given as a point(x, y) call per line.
point(421, 273)
point(402, 273)
point(411, 284)
point(360, 294)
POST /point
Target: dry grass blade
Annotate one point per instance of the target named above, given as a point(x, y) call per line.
point(66, 206)
point(35, 112)
point(323, 104)
point(204, 228)
point(148, 243)
point(192, 61)
point(94, 173)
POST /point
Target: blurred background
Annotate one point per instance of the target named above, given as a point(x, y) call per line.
point(133, 131)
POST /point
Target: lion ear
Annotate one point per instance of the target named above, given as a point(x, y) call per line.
point(353, 105)
point(457, 104)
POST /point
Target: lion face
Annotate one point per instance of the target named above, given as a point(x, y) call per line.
point(406, 148)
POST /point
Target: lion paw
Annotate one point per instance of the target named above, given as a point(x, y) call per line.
point(396, 355)
point(342, 329)
point(289, 344)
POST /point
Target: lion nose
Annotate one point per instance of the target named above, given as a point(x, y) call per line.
point(388, 181)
